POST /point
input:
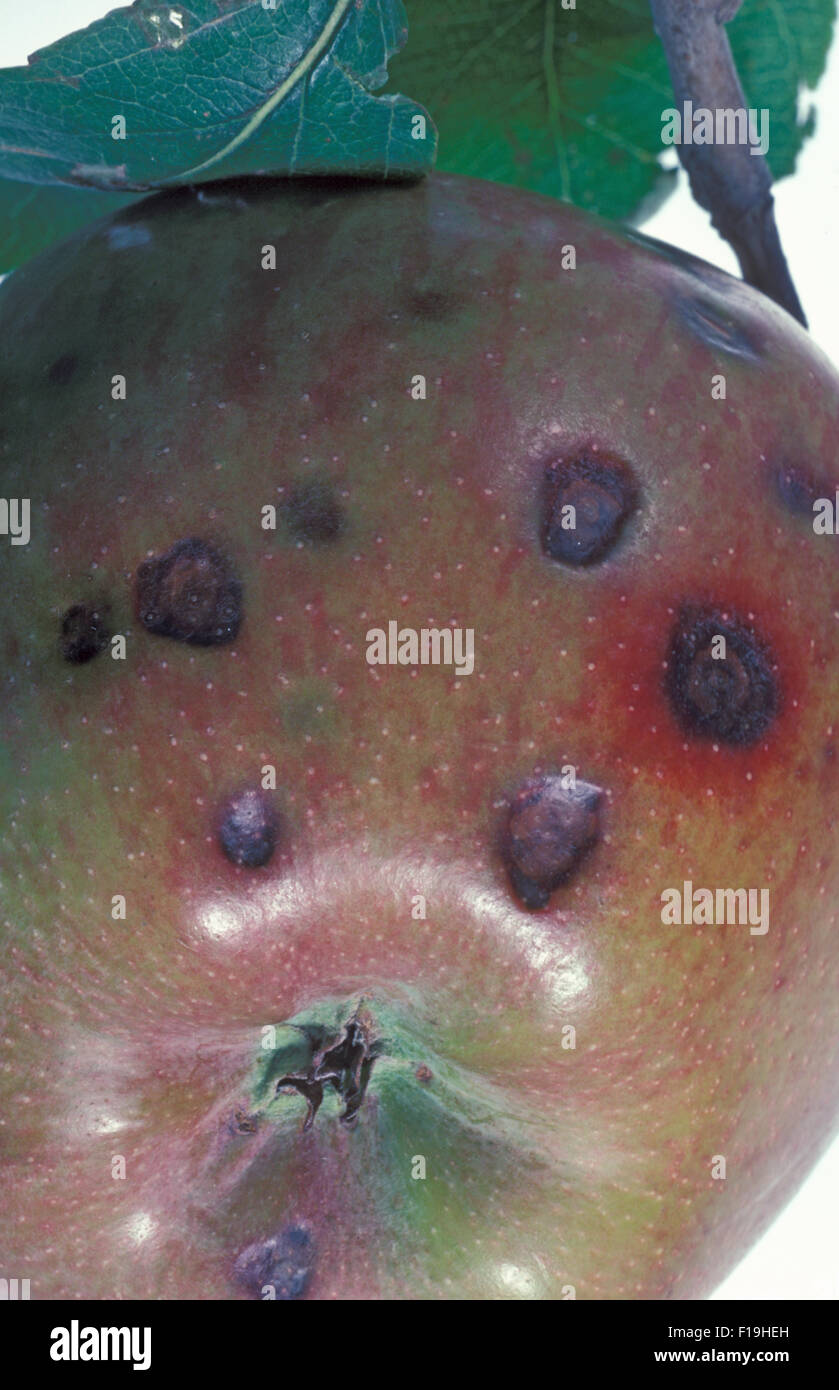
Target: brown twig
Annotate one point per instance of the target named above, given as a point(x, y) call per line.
point(731, 181)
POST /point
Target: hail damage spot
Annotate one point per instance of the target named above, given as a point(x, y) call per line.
point(717, 329)
point(62, 370)
point(431, 305)
point(282, 1265)
point(725, 690)
point(586, 501)
point(345, 1064)
point(796, 489)
point(248, 829)
point(84, 633)
point(190, 594)
point(313, 513)
point(549, 831)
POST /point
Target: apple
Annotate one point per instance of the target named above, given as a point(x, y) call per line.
point(337, 962)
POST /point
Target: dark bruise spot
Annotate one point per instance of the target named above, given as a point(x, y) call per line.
point(84, 633)
point(602, 494)
point(717, 329)
point(731, 697)
point(796, 489)
point(431, 305)
point(313, 514)
point(249, 828)
point(549, 831)
point(345, 1064)
point(190, 594)
point(424, 1073)
point(280, 1267)
point(62, 369)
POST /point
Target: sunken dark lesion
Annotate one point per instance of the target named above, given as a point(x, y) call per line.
point(431, 304)
point(84, 632)
point(732, 698)
point(190, 594)
point(797, 489)
point(703, 310)
point(62, 369)
point(314, 514)
point(586, 501)
point(283, 1263)
point(548, 832)
point(249, 828)
point(717, 327)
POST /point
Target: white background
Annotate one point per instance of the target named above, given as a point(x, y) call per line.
point(799, 1256)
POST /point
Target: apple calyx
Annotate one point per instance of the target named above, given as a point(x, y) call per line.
point(326, 1054)
point(345, 1064)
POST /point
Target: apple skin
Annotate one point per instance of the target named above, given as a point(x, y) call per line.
point(551, 1171)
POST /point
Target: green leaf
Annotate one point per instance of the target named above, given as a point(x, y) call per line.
point(213, 88)
point(780, 48)
point(568, 101)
